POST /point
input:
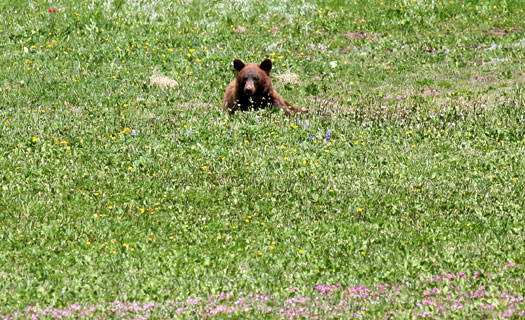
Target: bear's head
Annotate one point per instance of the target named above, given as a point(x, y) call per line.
point(253, 78)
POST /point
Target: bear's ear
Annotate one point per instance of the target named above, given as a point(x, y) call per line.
point(266, 65)
point(238, 65)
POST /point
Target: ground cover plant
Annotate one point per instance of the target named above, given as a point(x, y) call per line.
point(126, 191)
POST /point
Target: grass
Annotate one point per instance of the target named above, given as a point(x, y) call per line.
point(408, 166)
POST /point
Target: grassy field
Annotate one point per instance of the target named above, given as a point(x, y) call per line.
point(127, 192)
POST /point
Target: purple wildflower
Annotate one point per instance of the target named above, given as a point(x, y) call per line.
point(134, 133)
point(328, 136)
point(310, 138)
point(157, 118)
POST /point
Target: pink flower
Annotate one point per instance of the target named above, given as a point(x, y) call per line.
point(52, 10)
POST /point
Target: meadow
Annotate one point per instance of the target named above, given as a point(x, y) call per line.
point(126, 191)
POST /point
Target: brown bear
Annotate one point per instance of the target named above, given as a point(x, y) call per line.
point(253, 89)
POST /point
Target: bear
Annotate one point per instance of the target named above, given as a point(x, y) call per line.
point(253, 89)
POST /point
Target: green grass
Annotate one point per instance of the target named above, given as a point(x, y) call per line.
point(424, 172)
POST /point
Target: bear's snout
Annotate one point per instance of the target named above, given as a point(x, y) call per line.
point(249, 89)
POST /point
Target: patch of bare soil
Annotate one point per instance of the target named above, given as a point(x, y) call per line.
point(496, 32)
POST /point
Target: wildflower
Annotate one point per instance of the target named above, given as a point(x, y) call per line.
point(328, 136)
point(310, 138)
point(301, 251)
point(134, 133)
point(52, 10)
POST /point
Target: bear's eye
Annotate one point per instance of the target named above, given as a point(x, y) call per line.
point(255, 78)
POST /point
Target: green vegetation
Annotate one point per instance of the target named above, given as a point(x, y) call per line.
point(410, 162)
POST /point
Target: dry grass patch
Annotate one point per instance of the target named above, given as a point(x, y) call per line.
point(288, 78)
point(162, 81)
point(239, 29)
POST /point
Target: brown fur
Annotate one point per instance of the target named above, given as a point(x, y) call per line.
point(253, 89)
